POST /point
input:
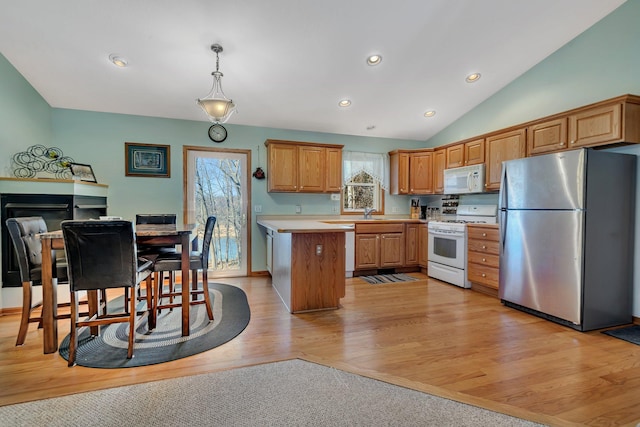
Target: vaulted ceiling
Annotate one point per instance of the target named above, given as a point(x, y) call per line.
point(287, 63)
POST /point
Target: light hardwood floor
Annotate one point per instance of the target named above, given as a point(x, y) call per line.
point(425, 335)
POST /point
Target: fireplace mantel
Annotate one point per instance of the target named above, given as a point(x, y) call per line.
point(9, 185)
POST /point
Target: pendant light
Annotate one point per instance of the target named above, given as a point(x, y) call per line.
point(216, 105)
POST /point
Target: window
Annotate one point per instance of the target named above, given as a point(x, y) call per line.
point(364, 182)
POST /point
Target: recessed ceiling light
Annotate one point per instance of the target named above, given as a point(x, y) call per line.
point(118, 61)
point(344, 103)
point(472, 78)
point(374, 59)
point(430, 113)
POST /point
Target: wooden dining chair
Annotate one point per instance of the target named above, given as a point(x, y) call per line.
point(103, 255)
point(198, 260)
point(28, 251)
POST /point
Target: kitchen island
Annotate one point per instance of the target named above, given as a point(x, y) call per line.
point(307, 262)
point(306, 256)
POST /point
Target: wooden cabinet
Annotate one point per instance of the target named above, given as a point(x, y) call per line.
point(455, 156)
point(500, 147)
point(439, 163)
point(465, 154)
point(423, 245)
point(599, 125)
point(474, 152)
point(379, 245)
point(607, 122)
point(420, 172)
point(303, 167)
point(399, 172)
point(333, 171)
point(546, 137)
point(308, 270)
point(412, 244)
point(483, 255)
point(411, 171)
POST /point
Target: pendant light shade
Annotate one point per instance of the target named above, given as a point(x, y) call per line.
point(216, 105)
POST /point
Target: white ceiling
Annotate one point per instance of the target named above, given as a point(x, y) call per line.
point(287, 63)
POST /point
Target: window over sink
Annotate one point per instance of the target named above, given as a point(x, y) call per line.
point(364, 176)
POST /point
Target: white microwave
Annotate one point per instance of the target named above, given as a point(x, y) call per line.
point(464, 180)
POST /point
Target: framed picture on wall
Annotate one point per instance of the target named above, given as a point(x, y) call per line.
point(149, 160)
point(82, 172)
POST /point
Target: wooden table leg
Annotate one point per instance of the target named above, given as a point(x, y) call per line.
point(49, 300)
point(186, 256)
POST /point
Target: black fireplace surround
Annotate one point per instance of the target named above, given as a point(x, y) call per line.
point(54, 208)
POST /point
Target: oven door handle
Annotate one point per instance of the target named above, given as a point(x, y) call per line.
point(439, 233)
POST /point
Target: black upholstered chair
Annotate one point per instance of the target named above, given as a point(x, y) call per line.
point(199, 260)
point(151, 251)
point(103, 255)
point(28, 251)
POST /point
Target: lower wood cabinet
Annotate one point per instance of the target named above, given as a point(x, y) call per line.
point(379, 245)
point(308, 270)
point(483, 255)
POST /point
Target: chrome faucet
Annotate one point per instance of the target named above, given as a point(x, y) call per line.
point(368, 212)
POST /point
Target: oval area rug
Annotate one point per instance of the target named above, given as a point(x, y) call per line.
point(231, 316)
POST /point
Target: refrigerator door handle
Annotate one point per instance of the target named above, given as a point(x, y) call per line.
point(502, 226)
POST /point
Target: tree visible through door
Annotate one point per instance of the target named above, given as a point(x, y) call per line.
point(216, 185)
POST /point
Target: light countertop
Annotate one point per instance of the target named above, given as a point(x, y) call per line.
point(324, 224)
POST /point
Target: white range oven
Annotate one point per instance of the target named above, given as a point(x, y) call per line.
point(448, 243)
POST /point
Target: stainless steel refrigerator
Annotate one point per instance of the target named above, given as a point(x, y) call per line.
point(567, 236)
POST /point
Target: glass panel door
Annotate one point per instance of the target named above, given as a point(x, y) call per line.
point(217, 184)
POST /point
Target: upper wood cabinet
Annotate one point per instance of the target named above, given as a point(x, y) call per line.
point(411, 171)
point(439, 163)
point(303, 167)
point(465, 154)
point(501, 147)
point(474, 152)
point(455, 156)
point(333, 171)
point(546, 137)
point(399, 172)
point(421, 172)
point(607, 122)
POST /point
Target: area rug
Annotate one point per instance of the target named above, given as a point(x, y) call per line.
point(109, 350)
point(289, 393)
point(387, 278)
point(630, 334)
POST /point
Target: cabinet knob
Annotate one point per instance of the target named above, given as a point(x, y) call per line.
point(484, 247)
point(484, 260)
point(573, 142)
point(484, 234)
point(562, 144)
point(484, 275)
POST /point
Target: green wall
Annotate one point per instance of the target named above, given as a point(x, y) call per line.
point(25, 118)
point(603, 62)
point(98, 139)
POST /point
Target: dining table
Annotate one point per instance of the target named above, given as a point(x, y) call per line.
point(147, 234)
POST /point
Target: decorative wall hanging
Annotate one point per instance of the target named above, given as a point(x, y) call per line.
point(39, 159)
point(259, 173)
point(149, 160)
point(82, 172)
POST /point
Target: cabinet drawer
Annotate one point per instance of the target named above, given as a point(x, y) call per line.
point(484, 259)
point(483, 246)
point(379, 228)
point(483, 233)
point(481, 274)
